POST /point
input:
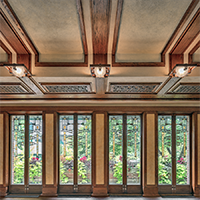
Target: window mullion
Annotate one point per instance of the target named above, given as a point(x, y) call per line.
point(75, 150)
point(26, 171)
point(173, 151)
point(124, 151)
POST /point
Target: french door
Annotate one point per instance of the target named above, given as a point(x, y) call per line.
point(26, 154)
point(75, 140)
point(125, 154)
point(174, 154)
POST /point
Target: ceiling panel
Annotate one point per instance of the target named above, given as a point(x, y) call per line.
point(146, 27)
point(53, 27)
point(196, 55)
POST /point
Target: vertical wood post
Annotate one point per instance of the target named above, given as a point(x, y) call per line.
point(4, 153)
point(100, 158)
point(49, 155)
point(150, 155)
point(196, 154)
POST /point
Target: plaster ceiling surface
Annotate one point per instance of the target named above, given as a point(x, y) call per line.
point(53, 27)
point(196, 55)
point(3, 55)
point(146, 27)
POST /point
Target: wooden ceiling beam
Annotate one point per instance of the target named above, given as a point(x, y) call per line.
point(100, 16)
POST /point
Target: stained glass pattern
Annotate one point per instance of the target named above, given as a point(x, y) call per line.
point(133, 149)
point(84, 149)
point(115, 149)
point(66, 149)
point(182, 150)
point(165, 150)
point(18, 149)
point(35, 149)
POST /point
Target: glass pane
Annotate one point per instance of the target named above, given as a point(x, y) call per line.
point(115, 149)
point(182, 150)
point(66, 149)
point(84, 149)
point(18, 149)
point(35, 149)
point(165, 150)
point(133, 150)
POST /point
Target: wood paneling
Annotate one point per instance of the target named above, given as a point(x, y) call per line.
point(100, 16)
point(150, 149)
point(99, 148)
point(99, 59)
point(1, 148)
point(49, 148)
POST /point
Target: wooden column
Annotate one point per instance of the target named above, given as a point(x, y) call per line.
point(196, 154)
point(49, 155)
point(4, 153)
point(100, 160)
point(150, 149)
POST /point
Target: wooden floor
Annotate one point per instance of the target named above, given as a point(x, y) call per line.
point(107, 198)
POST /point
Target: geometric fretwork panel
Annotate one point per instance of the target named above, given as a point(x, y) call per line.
point(67, 88)
point(12, 89)
point(187, 89)
point(133, 88)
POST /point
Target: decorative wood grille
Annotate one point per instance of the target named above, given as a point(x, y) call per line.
point(187, 89)
point(133, 88)
point(12, 89)
point(67, 88)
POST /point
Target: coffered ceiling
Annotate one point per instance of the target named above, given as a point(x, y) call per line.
point(141, 40)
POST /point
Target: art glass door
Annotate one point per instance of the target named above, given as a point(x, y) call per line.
point(26, 154)
point(174, 154)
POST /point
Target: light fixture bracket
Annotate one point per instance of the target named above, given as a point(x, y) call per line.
point(182, 70)
point(100, 70)
point(18, 70)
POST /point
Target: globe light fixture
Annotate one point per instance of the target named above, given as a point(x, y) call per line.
point(18, 70)
point(182, 70)
point(100, 71)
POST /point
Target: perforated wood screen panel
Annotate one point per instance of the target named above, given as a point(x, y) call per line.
point(67, 88)
point(133, 87)
point(187, 88)
point(13, 89)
